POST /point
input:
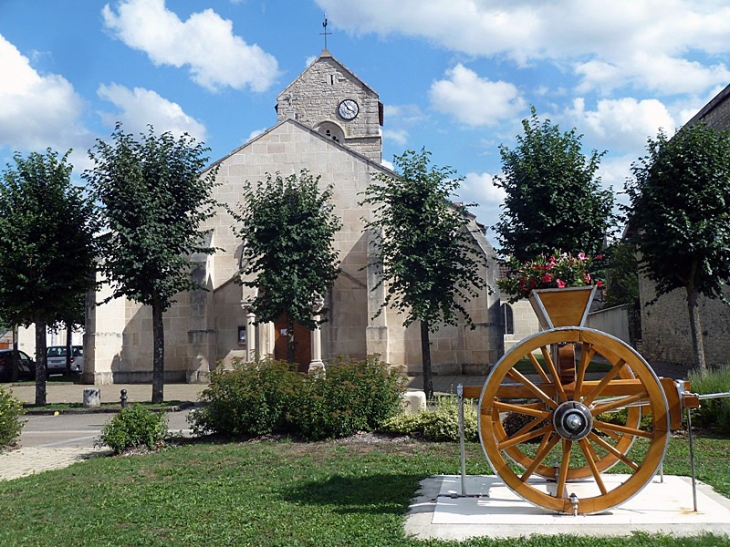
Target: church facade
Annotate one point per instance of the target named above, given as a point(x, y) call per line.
point(328, 122)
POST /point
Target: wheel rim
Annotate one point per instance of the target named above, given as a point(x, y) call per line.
point(573, 451)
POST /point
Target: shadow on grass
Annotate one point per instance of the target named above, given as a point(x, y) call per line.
point(370, 494)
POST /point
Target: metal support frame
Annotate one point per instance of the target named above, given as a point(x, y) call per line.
point(462, 449)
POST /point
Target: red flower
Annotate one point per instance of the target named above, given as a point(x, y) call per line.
point(599, 284)
point(561, 284)
point(547, 278)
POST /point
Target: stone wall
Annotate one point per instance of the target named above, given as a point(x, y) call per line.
point(665, 328)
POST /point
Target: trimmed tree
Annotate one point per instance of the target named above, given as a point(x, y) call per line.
point(47, 254)
point(430, 265)
point(288, 227)
point(153, 201)
point(554, 201)
point(680, 194)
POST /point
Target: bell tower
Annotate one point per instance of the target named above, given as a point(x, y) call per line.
point(330, 99)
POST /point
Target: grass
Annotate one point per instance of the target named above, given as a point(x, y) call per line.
point(110, 407)
point(269, 493)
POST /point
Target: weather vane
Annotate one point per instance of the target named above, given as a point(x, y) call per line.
point(325, 33)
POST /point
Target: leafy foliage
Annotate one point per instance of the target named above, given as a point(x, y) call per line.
point(553, 198)
point(271, 397)
point(288, 228)
point(154, 201)
point(251, 399)
point(438, 423)
point(11, 409)
point(47, 254)
point(622, 274)
point(430, 263)
point(713, 413)
point(679, 216)
point(353, 396)
point(134, 427)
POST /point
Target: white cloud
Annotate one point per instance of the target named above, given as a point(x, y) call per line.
point(647, 43)
point(621, 124)
point(140, 107)
point(37, 111)
point(473, 100)
point(398, 136)
point(206, 43)
point(479, 188)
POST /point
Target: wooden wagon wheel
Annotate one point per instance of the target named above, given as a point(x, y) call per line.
point(568, 436)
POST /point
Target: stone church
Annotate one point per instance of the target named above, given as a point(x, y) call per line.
point(329, 122)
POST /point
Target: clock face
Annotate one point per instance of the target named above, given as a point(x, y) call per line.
point(348, 109)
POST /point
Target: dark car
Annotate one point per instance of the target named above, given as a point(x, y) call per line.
point(26, 366)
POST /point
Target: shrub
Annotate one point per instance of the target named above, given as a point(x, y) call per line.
point(353, 396)
point(713, 413)
point(134, 427)
point(11, 409)
point(251, 399)
point(438, 423)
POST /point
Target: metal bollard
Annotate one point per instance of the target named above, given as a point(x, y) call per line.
point(123, 398)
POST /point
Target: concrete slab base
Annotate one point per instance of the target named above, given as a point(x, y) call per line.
point(491, 509)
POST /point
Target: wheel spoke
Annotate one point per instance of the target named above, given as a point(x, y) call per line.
point(608, 427)
point(538, 368)
point(586, 355)
point(563, 471)
point(521, 437)
point(554, 373)
point(610, 375)
point(519, 377)
point(520, 409)
point(540, 456)
point(618, 403)
point(591, 458)
point(603, 444)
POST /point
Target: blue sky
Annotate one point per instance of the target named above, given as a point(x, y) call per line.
point(455, 76)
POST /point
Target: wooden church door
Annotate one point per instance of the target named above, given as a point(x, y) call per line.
point(302, 342)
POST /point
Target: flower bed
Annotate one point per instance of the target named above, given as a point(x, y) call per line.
point(554, 271)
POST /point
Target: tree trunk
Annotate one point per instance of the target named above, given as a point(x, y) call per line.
point(14, 360)
point(426, 357)
point(69, 355)
point(40, 361)
point(695, 327)
point(290, 348)
point(158, 359)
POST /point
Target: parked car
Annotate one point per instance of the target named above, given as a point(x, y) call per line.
point(26, 366)
point(56, 359)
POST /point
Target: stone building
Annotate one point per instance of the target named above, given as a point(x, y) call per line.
point(328, 121)
point(665, 326)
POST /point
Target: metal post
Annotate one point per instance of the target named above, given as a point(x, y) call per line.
point(692, 459)
point(460, 394)
point(123, 398)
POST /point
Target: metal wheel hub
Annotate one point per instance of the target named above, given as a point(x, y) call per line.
point(573, 421)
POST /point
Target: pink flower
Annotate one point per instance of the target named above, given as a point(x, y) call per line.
point(561, 284)
point(582, 256)
point(599, 284)
point(547, 278)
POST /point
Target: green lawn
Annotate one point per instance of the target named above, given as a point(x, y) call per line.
point(271, 493)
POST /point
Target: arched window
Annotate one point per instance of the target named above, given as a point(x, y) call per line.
point(331, 131)
point(508, 319)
